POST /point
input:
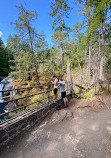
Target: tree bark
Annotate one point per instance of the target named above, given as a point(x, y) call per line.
point(34, 60)
point(62, 59)
point(90, 62)
point(69, 80)
point(102, 52)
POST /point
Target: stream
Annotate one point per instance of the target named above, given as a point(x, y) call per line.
point(1, 87)
point(2, 105)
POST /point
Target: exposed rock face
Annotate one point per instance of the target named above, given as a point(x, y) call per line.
point(1, 78)
point(8, 85)
point(10, 106)
point(60, 115)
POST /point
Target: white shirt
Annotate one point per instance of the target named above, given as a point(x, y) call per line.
point(56, 81)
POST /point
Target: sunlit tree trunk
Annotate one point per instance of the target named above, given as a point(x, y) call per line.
point(102, 51)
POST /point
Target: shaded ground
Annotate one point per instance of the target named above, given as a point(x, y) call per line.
point(81, 131)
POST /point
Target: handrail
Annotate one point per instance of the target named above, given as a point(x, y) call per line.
point(24, 106)
point(20, 114)
point(8, 90)
point(5, 116)
point(25, 97)
point(5, 97)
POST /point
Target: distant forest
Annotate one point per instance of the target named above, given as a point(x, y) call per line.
point(88, 50)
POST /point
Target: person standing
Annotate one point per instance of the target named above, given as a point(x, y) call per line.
point(63, 92)
point(55, 82)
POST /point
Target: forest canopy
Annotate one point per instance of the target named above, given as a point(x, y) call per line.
point(87, 45)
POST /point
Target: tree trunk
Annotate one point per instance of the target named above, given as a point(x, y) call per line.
point(69, 80)
point(102, 52)
point(62, 59)
point(34, 60)
point(80, 73)
point(90, 62)
point(61, 29)
point(99, 41)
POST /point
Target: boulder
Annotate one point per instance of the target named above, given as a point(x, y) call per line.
point(10, 106)
point(8, 84)
point(60, 115)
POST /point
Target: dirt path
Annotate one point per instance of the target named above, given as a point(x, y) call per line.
point(85, 135)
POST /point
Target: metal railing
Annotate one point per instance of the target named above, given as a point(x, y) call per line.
point(47, 95)
point(99, 86)
point(44, 90)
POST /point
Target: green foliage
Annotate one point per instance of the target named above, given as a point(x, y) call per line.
point(76, 50)
point(59, 38)
point(51, 62)
point(4, 60)
point(24, 23)
point(27, 49)
point(20, 57)
point(25, 31)
point(108, 68)
point(60, 9)
point(89, 94)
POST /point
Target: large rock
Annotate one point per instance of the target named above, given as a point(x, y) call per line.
point(60, 115)
point(8, 85)
point(10, 106)
point(1, 78)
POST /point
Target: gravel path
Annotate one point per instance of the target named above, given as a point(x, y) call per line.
point(66, 136)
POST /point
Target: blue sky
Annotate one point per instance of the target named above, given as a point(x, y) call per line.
point(9, 13)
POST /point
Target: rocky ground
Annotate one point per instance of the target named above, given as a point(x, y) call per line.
point(81, 131)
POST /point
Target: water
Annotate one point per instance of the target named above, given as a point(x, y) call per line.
point(1, 100)
point(1, 87)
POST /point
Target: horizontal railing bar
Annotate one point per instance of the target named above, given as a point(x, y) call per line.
point(39, 108)
point(15, 110)
point(24, 106)
point(25, 88)
point(4, 82)
point(26, 96)
point(5, 97)
point(47, 85)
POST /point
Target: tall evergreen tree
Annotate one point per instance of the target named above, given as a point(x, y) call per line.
point(20, 57)
point(4, 61)
point(95, 13)
point(60, 11)
point(25, 30)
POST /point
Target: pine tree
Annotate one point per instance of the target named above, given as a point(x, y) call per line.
point(4, 61)
point(95, 13)
point(20, 57)
point(25, 30)
point(60, 10)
